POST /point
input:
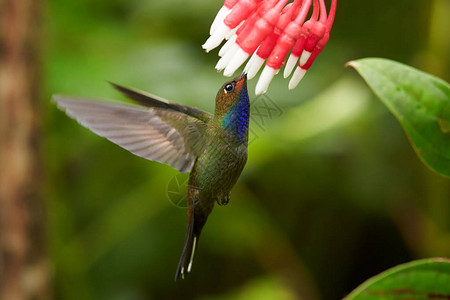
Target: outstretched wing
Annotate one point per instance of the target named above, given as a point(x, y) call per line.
point(156, 133)
point(150, 100)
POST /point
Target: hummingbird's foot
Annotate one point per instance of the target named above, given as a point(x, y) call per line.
point(224, 200)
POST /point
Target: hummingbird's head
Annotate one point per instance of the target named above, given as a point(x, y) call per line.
point(233, 107)
point(233, 93)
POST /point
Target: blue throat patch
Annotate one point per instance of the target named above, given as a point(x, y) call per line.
point(237, 118)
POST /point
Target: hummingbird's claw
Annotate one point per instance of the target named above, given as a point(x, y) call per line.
point(224, 200)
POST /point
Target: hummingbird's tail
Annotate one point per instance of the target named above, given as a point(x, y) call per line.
point(198, 213)
point(190, 244)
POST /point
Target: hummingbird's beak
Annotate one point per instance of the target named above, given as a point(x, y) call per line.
point(241, 80)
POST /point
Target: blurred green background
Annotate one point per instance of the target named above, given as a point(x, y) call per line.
point(332, 192)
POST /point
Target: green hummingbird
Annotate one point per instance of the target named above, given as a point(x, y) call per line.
point(213, 148)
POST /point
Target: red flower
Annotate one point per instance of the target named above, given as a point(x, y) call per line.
point(269, 29)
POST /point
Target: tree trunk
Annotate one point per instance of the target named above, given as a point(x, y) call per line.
point(23, 263)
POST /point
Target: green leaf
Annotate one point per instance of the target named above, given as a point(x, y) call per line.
point(421, 279)
point(421, 102)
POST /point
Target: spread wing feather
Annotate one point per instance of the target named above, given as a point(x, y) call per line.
point(156, 133)
point(150, 100)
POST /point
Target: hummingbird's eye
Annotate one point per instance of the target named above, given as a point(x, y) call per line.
point(230, 87)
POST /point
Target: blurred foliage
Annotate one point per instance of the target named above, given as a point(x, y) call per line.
point(421, 279)
point(332, 193)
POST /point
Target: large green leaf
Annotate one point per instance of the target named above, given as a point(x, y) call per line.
point(421, 279)
point(420, 102)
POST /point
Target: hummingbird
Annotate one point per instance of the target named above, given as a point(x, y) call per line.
point(212, 147)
